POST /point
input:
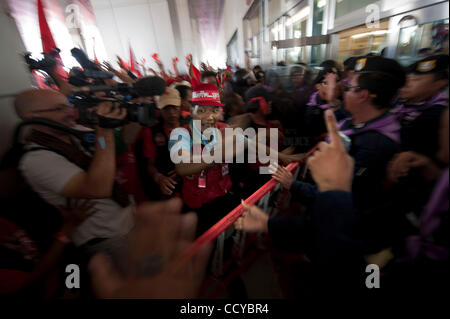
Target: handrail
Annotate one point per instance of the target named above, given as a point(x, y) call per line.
point(229, 219)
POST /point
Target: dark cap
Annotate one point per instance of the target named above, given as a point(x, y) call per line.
point(380, 65)
point(257, 91)
point(254, 92)
point(298, 69)
point(324, 71)
point(431, 64)
point(259, 75)
point(328, 64)
point(349, 64)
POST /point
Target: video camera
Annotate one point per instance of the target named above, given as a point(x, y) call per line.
point(86, 98)
point(89, 82)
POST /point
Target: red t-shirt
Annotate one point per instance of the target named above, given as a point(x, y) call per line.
point(148, 142)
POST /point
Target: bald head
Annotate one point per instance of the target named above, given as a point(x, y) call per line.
point(35, 99)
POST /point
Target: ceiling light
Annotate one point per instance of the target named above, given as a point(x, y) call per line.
point(299, 16)
point(362, 35)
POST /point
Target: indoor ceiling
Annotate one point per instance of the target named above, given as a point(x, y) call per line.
point(208, 14)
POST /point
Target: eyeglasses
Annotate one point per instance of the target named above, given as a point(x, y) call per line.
point(348, 87)
point(325, 83)
point(59, 108)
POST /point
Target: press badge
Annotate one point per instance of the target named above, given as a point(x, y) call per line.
point(202, 180)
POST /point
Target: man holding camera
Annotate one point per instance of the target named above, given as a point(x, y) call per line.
point(59, 169)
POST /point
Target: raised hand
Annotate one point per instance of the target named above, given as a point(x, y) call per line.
point(402, 163)
point(121, 64)
point(331, 92)
point(108, 67)
point(153, 71)
point(110, 115)
point(331, 167)
point(188, 60)
point(161, 233)
point(111, 111)
point(203, 66)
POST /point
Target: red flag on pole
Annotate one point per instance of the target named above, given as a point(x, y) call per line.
point(95, 54)
point(197, 79)
point(48, 43)
point(133, 64)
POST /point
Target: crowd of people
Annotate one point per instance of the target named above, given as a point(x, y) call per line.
point(376, 191)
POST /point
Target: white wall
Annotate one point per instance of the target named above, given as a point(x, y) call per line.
point(233, 14)
point(14, 76)
point(146, 24)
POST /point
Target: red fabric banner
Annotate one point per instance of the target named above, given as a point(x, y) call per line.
point(48, 43)
point(133, 64)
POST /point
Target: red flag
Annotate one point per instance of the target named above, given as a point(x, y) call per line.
point(48, 43)
point(40, 81)
point(155, 57)
point(95, 55)
point(133, 64)
point(174, 65)
point(197, 79)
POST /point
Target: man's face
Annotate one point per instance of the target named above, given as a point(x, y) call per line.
point(171, 114)
point(54, 107)
point(420, 87)
point(322, 88)
point(208, 115)
point(297, 80)
point(352, 97)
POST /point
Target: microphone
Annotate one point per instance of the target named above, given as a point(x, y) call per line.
point(83, 59)
point(148, 86)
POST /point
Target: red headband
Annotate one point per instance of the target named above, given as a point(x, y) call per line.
point(262, 103)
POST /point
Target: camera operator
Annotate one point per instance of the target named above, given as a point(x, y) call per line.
point(58, 169)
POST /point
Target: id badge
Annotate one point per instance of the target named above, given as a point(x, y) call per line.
point(202, 180)
point(225, 170)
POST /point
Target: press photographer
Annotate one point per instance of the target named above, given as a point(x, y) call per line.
point(58, 169)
